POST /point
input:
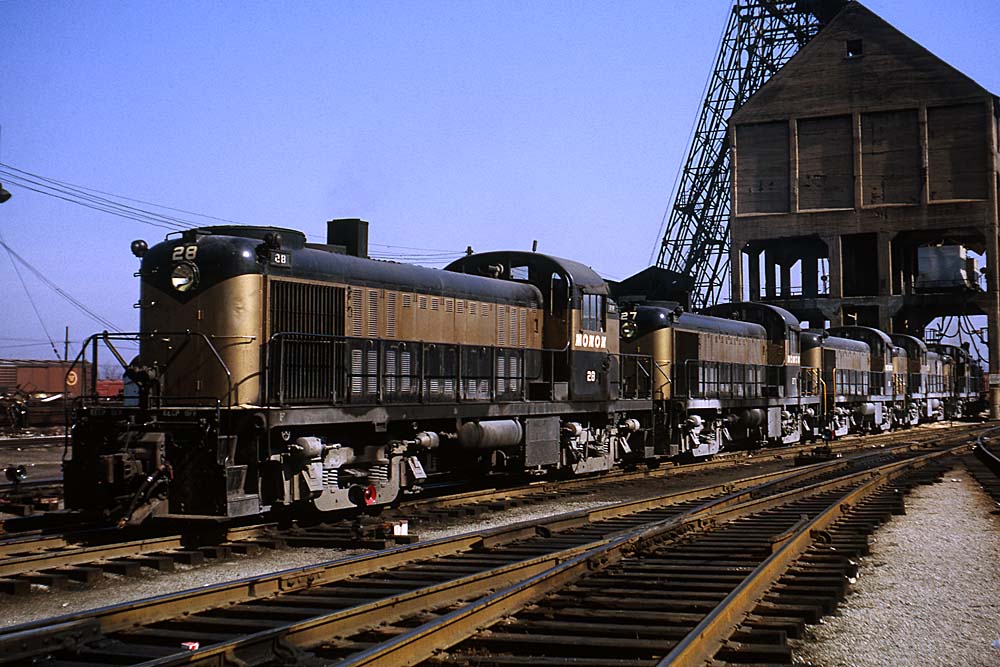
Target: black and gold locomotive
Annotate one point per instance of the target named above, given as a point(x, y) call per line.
point(273, 372)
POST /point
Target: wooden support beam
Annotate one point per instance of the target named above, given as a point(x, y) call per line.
point(770, 275)
point(735, 273)
point(753, 275)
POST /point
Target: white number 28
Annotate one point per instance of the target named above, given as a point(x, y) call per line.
point(188, 252)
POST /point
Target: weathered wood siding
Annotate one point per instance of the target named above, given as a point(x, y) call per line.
point(762, 173)
point(957, 164)
point(890, 157)
point(826, 163)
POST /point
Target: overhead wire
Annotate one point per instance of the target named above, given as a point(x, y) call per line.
point(27, 292)
point(58, 290)
point(96, 203)
point(111, 194)
point(109, 203)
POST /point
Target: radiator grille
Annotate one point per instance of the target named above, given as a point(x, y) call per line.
point(302, 364)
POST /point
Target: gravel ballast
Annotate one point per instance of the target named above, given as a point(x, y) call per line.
point(929, 591)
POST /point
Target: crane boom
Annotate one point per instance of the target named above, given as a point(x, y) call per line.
point(760, 37)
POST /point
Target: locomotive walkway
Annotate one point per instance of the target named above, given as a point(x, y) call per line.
point(576, 586)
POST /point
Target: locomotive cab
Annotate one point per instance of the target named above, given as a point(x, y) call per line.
point(580, 334)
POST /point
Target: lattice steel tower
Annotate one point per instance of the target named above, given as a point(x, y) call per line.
point(761, 36)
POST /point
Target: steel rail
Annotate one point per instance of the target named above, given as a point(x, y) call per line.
point(423, 642)
point(31, 441)
point(50, 552)
point(60, 553)
point(726, 460)
point(249, 649)
point(704, 641)
point(986, 453)
point(51, 634)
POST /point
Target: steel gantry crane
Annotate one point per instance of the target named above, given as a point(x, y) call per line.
point(760, 37)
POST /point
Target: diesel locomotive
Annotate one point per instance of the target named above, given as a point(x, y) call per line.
point(277, 373)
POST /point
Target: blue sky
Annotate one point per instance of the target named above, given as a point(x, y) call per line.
point(445, 124)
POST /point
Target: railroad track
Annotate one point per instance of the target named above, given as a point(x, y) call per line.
point(984, 466)
point(408, 602)
point(81, 558)
point(32, 441)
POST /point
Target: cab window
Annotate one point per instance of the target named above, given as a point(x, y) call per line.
point(557, 295)
point(594, 312)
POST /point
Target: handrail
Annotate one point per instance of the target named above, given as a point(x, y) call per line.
point(711, 389)
point(336, 348)
point(107, 338)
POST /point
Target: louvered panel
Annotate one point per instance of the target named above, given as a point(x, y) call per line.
point(406, 371)
point(357, 313)
point(501, 325)
point(371, 369)
point(391, 372)
point(357, 368)
point(460, 306)
point(472, 307)
point(372, 313)
point(522, 339)
point(390, 314)
point(513, 311)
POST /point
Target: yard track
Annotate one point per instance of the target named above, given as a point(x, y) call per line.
point(56, 559)
point(422, 589)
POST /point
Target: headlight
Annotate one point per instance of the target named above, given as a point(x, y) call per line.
point(184, 277)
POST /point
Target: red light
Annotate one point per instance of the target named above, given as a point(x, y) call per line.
point(370, 494)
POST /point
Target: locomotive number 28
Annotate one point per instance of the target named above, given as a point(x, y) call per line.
point(188, 252)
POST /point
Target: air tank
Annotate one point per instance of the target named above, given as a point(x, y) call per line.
point(491, 434)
